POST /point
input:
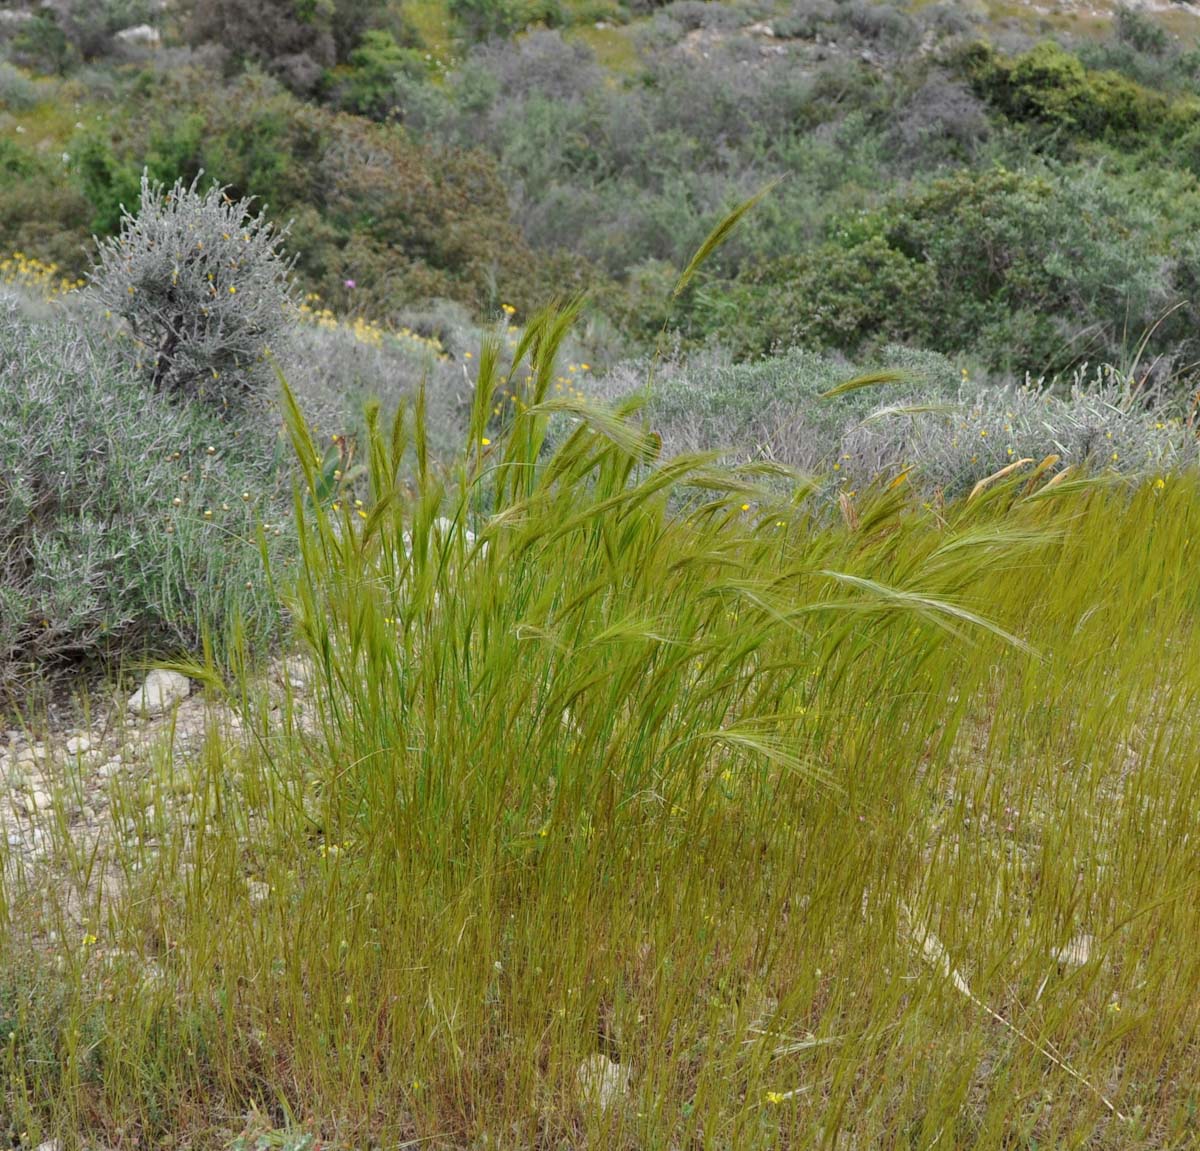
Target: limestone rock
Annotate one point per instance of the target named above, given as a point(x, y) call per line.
point(601, 1082)
point(144, 34)
point(159, 693)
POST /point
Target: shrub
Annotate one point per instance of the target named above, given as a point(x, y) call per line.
point(17, 91)
point(295, 40)
point(204, 287)
point(1101, 423)
point(773, 408)
point(123, 528)
point(1141, 32)
point(953, 430)
point(485, 19)
point(837, 296)
point(42, 44)
point(372, 84)
point(1049, 86)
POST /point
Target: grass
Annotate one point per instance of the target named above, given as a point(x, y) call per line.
point(870, 832)
point(613, 47)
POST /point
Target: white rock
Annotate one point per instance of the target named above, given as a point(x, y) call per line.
point(110, 768)
point(37, 800)
point(1076, 953)
point(50, 1145)
point(140, 34)
point(160, 692)
point(298, 671)
point(602, 1083)
point(78, 744)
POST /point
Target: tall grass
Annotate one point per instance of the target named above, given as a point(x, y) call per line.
point(864, 834)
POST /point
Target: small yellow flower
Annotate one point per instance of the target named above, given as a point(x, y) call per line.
point(774, 1098)
point(485, 442)
point(361, 514)
point(88, 940)
point(1160, 483)
point(745, 507)
point(232, 290)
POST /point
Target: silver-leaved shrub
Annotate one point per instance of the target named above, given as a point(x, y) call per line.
point(203, 284)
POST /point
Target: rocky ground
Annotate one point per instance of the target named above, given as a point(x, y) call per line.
point(62, 782)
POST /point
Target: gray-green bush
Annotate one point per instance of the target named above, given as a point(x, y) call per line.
point(129, 522)
point(950, 429)
point(203, 285)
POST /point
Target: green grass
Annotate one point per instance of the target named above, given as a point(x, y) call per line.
point(613, 47)
point(791, 816)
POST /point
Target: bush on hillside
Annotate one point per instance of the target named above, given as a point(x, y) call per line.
point(1033, 270)
point(379, 73)
point(203, 285)
point(1051, 87)
point(128, 521)
point(405, 221)
point(296, 42)
point(953, 430)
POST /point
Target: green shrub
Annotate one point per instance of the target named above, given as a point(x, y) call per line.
point(204, 288)
point(485, 19)
point(372, 83)
point(837, 296)
point(1033, 270)
point(1051, 87)
point(128, 521)
point(42, 44)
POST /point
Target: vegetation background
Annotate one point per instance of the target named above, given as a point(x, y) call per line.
point(746, 703)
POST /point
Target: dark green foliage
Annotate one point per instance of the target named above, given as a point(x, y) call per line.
point(834, 297)
point(1006, 263)
point(1050, 87)
point(41, 44)
point(374, 81)
point(296, 40)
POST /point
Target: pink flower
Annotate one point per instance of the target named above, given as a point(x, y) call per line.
point(350, 283)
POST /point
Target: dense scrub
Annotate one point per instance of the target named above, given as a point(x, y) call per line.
point(418, 163)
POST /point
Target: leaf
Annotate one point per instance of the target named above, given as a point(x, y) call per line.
point(718, 236)
point(869, 380)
